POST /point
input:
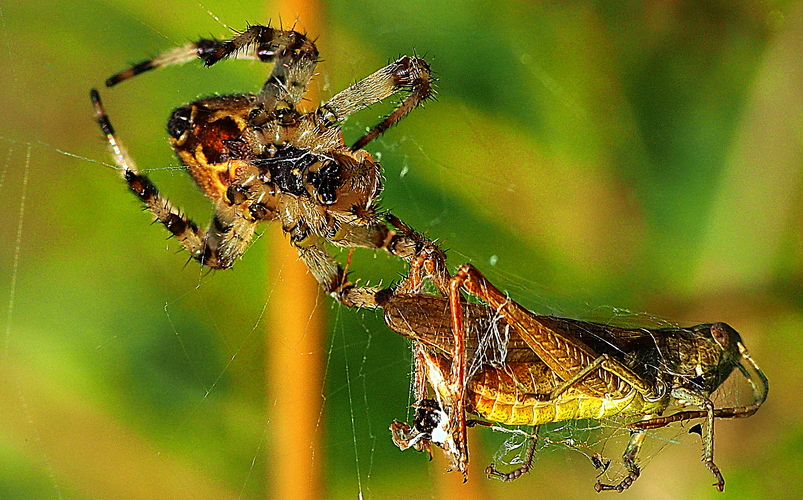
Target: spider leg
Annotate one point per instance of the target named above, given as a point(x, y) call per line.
point(409, 74)
point(425, 257)
point(180, 55)
point(294, 55)
point(330, 274)
point(229, 233)
point(185, 230)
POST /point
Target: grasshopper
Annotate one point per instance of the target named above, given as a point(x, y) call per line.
point(536, 369)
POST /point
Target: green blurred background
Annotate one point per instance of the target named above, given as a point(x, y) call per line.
point(587, 156)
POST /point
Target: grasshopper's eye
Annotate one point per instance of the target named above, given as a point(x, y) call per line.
point(722, 335)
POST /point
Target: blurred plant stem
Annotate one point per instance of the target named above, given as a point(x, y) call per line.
point(295, 339)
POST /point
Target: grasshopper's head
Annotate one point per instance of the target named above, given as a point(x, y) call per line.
point(708, 361)
point(724, 355)
point(702, 357)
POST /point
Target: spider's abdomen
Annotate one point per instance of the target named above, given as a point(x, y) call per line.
point(208, 137)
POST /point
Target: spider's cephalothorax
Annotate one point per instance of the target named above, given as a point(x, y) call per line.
point(258, 157)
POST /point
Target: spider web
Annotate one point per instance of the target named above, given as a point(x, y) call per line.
point(122, 365)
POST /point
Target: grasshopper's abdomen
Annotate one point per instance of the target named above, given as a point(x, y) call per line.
point(518, 394)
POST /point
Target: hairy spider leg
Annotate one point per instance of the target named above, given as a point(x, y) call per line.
point(257, 43)
point(293, 54)
point(409, 74)
point(180, 55)
point(288, 82)
point(184, 229)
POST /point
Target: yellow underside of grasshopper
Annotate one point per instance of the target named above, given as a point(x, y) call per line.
point(518, 395)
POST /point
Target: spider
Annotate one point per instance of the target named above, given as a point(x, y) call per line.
point(259, 158)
